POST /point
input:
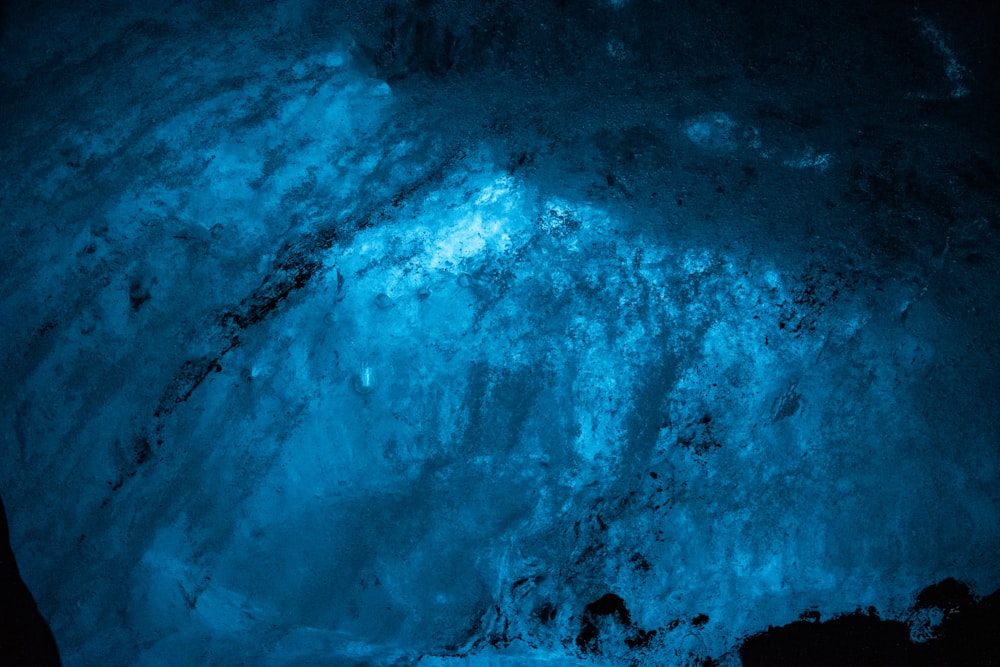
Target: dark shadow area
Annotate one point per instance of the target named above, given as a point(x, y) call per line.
point(25, 638)
point(967, 635)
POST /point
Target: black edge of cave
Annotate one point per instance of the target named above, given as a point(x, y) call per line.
point(966, 634)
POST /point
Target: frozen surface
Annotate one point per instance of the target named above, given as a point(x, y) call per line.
point(318, 349)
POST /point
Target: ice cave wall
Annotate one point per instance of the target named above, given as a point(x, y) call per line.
point(348, 336)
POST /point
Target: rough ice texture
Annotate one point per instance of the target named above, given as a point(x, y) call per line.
point(494, 361)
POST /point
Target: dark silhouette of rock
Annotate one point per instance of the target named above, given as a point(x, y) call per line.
point(966, 636)
point(25, 637)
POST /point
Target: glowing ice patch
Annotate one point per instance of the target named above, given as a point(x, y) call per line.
point(696, 262)
point(772, 278)
point(459, 242)
point(811, 160)
point(714, 131)
point(332, 59)
point(470, 237)
point(364, 381)
point(491, 194)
